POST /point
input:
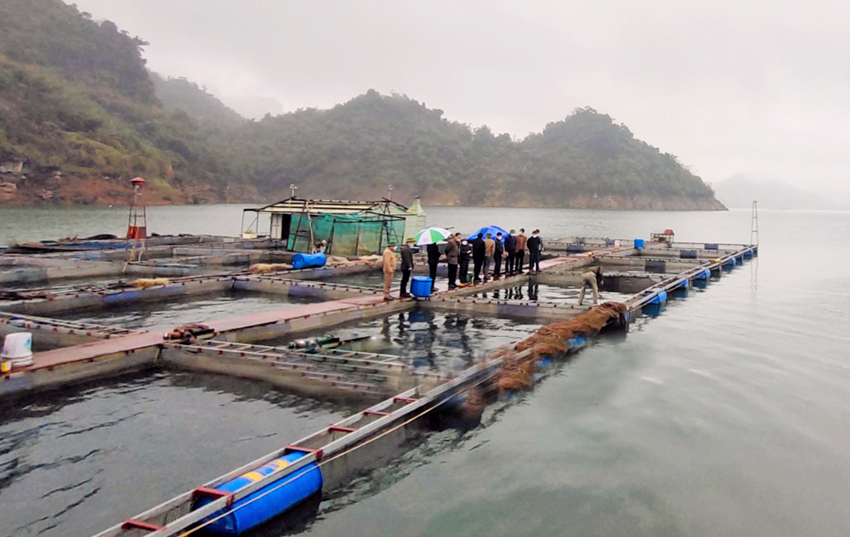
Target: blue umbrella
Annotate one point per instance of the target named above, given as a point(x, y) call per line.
point(490, 229)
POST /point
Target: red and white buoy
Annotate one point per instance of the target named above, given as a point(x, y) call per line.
point(137, 227)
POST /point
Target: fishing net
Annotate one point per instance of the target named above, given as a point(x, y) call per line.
point(552, 341)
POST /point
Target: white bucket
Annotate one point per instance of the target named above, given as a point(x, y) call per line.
point(18, 348)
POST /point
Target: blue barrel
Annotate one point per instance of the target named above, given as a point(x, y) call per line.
point(271, 500)
point(639, 243)
point(703, 275)
point(576, 343)
point(420, 286)
point(660, 298)
point(300, 261)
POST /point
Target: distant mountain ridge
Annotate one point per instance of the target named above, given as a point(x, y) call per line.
point(80, 115)
point(739, 191)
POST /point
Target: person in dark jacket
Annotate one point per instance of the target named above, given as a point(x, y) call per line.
point(452, 258)
point(433, 261)
point(465, 256)
point(510, 249)
point(406, 267)
point(479, 250)
point(535, 246)
point(497, 256)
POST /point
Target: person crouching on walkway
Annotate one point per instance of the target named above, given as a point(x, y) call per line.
point(593, 279)
point(389, 260)
point(406, 267)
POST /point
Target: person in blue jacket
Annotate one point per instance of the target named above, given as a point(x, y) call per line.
point(510, 249)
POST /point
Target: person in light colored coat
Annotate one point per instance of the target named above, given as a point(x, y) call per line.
point(489, 252)
point(389, 260)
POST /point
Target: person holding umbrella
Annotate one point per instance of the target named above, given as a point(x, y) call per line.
point(429, 238)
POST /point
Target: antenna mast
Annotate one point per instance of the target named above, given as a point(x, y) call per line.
point(754, 227)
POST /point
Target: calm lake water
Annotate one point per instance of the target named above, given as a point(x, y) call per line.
point(727, 415)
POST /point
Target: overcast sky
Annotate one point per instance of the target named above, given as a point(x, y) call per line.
point(761, 88)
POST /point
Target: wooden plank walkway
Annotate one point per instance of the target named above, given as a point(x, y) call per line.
point(90, 351)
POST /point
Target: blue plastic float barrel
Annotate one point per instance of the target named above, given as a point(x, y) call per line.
point(576, 343)
point(268, 502)
point(301, 261)
point(660, 298)
point(639, 243)
point(421, 286)
point(703, 275)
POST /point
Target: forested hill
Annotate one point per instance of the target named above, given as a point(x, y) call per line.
point(79, 109)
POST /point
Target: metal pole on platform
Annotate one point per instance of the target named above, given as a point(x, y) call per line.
point(754, 227)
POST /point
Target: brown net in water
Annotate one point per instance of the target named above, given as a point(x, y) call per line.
point(552, 341)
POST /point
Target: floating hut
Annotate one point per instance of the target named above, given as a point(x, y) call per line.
point(351, 228)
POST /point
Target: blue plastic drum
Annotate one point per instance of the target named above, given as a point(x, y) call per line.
point(302, 261)
point(268, 502)
point(420, 286)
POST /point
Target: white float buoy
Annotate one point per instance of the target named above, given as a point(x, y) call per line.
point(18, 349)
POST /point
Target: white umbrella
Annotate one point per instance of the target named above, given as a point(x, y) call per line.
point(431, 235)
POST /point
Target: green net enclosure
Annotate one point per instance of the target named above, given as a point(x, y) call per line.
point(346, 235)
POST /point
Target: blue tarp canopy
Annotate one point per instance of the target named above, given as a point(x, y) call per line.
point(490, 229)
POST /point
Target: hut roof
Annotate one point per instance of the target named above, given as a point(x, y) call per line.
point(301, 205)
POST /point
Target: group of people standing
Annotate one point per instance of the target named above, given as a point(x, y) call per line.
point(486, 253)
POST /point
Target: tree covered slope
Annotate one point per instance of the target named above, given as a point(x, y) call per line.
point(80, 115)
